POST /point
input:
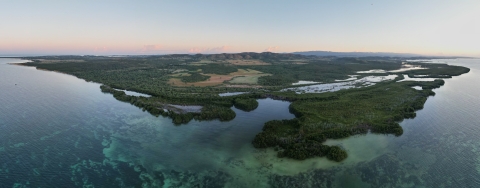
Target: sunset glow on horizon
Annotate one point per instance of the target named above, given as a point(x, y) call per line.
point(166, 27)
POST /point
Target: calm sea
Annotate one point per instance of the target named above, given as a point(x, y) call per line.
point(59, 131)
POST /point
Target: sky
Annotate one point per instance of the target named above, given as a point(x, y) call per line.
point(121, 27)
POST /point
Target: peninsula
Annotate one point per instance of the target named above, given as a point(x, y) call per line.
point(331, 97)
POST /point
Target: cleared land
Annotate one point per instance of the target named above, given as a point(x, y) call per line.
point(242, 76)
point(250, 79)
point(180, 74)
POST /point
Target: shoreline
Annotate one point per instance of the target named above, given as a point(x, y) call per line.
point(296, 138)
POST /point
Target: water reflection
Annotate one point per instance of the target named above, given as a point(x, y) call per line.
point(417, 87)
point(133, 93)
point(331, 87)
point(230, 94)
point(406, 78)
point(302, 82)
point(405, 67)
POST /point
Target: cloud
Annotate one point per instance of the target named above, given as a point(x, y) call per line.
point(151, 48)
point(101, 49)
point(272, 49)
point(220, 49)
point(195, 50)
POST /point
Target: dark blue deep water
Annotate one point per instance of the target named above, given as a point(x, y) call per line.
point(59, 131)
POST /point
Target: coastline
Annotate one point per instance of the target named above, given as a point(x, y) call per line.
point(311, 128)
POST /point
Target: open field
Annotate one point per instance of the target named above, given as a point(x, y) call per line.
point(243, 72)
point(242, 76)
point(212, 81)
point(232, 62)
point(249, 79)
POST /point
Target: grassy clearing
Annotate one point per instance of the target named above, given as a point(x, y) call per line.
point(242, 76)
point(247, 72)
point(250, 79)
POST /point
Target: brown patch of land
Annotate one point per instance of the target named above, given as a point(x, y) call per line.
point(250, 76)
point(180, 74)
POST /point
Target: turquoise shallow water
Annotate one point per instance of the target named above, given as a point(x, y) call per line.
point(60, 131)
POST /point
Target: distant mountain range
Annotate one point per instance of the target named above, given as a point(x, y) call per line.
point(356, 54)
point(243, 55)
point(268, 55)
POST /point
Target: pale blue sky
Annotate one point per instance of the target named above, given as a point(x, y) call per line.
point(159, 27)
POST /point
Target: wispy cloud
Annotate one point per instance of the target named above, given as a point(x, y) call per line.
point(151, 47)
point(100, 49)
point(272, 49)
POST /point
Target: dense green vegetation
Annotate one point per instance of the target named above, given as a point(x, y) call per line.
point(150, 74)
point(437, 70)
point(344, 113)
point(319, 116)
point(247, 105)
point(153, 105)
point(320, 70)
point(195, 77)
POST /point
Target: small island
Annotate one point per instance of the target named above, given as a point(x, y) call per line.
point(340, 97)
